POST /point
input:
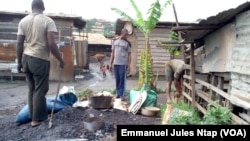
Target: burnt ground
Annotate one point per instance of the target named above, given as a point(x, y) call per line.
point(68, 123)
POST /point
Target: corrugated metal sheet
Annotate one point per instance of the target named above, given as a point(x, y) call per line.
point(81, 54)
point(241, 52)
point(68, 70)
point(92, 38)
point(162, 24)
point(240, 91)
point(78, 21)
point(9, 24)
point(220, 20)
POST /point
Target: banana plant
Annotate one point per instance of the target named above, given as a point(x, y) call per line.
point(145, 26)
point(173, 50)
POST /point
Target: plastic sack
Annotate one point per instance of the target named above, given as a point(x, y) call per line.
point(151, 99)
point(63, 101)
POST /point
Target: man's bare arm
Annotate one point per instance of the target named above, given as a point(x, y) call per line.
point(54, 48)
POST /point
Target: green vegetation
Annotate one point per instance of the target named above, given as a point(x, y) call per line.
point(217, 116)
point(163, 108)
point(172, 49)
point(84, 94)
point(108, 29)
point(89, 24)
point(184, 114)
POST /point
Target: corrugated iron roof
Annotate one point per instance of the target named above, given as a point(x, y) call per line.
point(93, 38)
point(219, 20)
point(162, 24)
point(78, 21)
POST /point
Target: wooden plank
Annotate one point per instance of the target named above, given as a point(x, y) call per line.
point(187, 85)
point(226, 76)
point(220, 86)
point(155, 50)
point(217, 90)
point(187, 66)
point(228, 103)
point(203, 110)
point(203, 95)
point(161, 58)
point(158, 66)
point(155, 38)
point(8, 36)
point(187, 96)
point(235, 118)
point(188, 57)
point(211, 92)
point(187, 77)
point(192, 74)
point(238, 120)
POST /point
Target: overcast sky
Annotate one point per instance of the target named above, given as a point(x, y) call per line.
point(187, 10)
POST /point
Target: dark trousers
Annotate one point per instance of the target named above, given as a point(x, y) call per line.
point(37, 76)
point(120, 79)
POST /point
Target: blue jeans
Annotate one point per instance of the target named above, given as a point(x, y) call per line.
point(120, 79)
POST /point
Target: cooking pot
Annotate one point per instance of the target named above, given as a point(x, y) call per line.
point(93, 124)
point(101, 102)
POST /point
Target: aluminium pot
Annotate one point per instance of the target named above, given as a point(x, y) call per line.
point(101, 102)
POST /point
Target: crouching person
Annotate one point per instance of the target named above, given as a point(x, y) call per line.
point(174, 71)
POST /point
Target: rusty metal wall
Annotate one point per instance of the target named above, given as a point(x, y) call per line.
point(68, 70)
point(7, 52)
point(218, 48)
point(8, 29)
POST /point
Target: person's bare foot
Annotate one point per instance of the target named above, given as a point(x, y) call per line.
point(35, 123)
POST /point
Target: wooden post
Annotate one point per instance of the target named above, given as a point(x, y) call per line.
point(220, 86)
point(192, 63)
point(179, 34)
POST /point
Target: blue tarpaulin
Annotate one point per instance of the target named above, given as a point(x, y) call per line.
point(63, 101)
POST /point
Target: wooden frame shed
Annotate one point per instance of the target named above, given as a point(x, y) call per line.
point(159, 54)
point(217, 62)
point(65, 25)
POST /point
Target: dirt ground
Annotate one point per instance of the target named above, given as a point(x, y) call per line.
point(69, 123)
